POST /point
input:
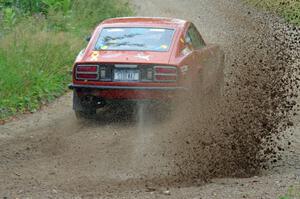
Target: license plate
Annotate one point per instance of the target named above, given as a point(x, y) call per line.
point(126, 75)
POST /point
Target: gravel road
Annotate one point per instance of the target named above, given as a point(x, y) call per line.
point(130, 155)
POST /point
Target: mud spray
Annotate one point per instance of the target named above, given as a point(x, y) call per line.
point(244, 131)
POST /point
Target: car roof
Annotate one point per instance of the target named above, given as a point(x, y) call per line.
point(144, 21)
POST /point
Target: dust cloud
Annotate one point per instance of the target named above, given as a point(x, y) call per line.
point(244, 130)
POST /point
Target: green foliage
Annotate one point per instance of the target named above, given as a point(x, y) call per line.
point(34, 68)
point(62, 15)
point(16, 10)
point(9, 17)
point(58, 5)
point(37, 53)
point(36, 6)
point(289, 9)
point(89, 13)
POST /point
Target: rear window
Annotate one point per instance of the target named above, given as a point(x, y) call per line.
point(137, 39)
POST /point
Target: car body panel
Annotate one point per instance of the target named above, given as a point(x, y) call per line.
point(135, 57)
point(189, 61)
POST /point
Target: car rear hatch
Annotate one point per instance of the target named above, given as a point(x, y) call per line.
point(145, 57)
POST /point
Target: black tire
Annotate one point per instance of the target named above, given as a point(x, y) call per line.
point(83, 110)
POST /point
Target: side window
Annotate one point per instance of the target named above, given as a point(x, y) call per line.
point(196, 38)
point(188, 46)
point(188, 40)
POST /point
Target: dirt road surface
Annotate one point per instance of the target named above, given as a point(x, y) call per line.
point(50, 154)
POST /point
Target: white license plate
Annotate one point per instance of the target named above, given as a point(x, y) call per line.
point(126, 75)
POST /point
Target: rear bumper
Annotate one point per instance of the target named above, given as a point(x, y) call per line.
point(127, 92)
point(74, 86)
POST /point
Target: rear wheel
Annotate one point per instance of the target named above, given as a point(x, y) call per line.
point(84, 107)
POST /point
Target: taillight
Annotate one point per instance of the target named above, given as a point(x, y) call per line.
point(165, 73)
point(86, 76)
point(87, 68)
point(87, 72)
point(165, 78)
point(166, 70)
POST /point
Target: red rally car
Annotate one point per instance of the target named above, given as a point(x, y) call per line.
point(137, 58)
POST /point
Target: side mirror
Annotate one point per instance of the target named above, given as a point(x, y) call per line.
point(88, 38)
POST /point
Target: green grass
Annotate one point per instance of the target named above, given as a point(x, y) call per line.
point(37, 53)
point(288, 9)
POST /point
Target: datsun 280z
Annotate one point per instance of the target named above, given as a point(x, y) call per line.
point(136, 58)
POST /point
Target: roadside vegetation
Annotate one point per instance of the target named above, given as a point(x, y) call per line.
point(39, 40)
point(289, 9)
